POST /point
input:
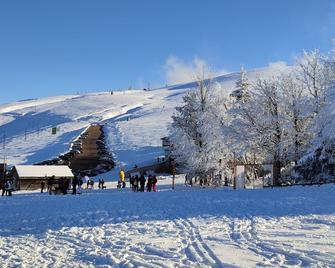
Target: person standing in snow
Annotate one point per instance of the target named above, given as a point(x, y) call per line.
point(154, 182)
point(8, 188)
point(122, 176)
point(149, 183)
point(42, 186)
point(3, 189)
point(135, 183)
point(142, 183)
point(75, 182)
point(50, 183)
point(131, 182)
point(80, 184)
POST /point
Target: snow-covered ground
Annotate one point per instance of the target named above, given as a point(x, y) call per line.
point(135, 121)
point(187, 227)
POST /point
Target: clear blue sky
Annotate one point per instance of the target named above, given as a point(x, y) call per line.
point(65, 46)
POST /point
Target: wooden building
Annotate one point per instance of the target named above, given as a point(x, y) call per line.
point(27, 177)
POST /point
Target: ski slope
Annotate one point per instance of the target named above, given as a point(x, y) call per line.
point(135, 121)
point(187, 227)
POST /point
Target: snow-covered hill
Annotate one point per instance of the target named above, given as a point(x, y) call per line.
point(135, 121)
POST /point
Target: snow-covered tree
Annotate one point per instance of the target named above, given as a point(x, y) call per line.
point(241, 91)
point(195, 133)
point(297, 116)
point(259, 123)
point(313, 75)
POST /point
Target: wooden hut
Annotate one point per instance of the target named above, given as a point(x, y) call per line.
point(30, 177)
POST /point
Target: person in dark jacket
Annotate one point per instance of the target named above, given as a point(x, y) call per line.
point(50, 183)
point(149, 183)
point(142, 183)
point(75, 183)
point(103, 184)
point(154, 182)
point(135, 183)
point(3, 189)
point(42, 186)
point(131, 182)
point(9, 187)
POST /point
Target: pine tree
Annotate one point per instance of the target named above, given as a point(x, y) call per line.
point(241, 92)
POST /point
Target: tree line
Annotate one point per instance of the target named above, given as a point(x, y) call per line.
point(285, 119)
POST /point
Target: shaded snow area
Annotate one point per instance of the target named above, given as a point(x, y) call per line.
point(187, 227)
point(135, 121)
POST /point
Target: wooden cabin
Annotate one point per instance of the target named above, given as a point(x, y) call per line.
point(29, 177)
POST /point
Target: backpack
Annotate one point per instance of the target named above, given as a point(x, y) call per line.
point(8, 185)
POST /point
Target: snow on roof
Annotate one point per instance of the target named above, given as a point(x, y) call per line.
point(42, 171)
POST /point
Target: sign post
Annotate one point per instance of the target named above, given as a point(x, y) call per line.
point(173, 173)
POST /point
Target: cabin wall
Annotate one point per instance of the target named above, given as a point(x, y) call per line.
point(34, 183)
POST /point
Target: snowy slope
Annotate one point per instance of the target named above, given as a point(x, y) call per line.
point(135, 122)
point(188, 227)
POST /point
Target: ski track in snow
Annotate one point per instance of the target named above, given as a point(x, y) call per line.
point(182, 228)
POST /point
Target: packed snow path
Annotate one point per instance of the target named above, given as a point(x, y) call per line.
point(188, 227)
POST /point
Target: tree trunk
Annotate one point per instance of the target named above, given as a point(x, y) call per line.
point(276, 173)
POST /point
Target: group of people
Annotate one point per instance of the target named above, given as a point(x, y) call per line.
point(7, 188)
point(138, 183)
point(62, 185)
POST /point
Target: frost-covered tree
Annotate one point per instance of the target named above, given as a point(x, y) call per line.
point(259, 122)
point(317, 163)
point(313, 75)
point(241, 91)
point(297, 108)
point(197, 143)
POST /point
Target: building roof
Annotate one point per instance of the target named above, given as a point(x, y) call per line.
point(26, 171)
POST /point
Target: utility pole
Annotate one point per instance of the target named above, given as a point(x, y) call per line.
point(4, 140)
point(234, 171)
point(173, 173)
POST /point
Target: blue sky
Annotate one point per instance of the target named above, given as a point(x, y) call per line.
point(68, 46)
